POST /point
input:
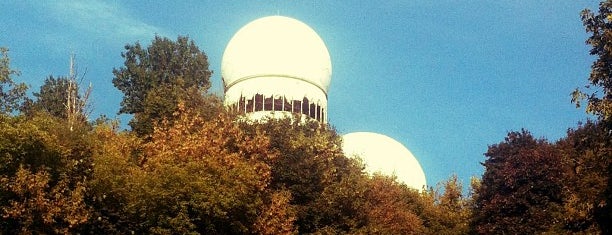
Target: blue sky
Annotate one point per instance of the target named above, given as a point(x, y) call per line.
point(445, 78)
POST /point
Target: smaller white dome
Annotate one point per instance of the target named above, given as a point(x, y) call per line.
point(385, 155)
point(276, 46)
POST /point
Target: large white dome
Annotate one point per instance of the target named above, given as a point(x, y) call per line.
point(276, 46)
point(385, 155)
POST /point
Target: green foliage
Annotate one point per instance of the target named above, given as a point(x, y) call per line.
point(598, 94)
point(199, 170)
point(307, 163)
point(600, 27)
point(154, 80)
point(586, 152)
point(192, 176)
point(43, 173)
point(277, 217)
point(113, 155)
point(331, 193)
point(561, 188)
point(52, 97)
point(195, 175)
point(12, 95)
point(390, 208)
point(446, 210)
point(37, 205)
point(521, 190)
point(41, 141)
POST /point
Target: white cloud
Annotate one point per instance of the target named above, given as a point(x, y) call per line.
point(100, 18)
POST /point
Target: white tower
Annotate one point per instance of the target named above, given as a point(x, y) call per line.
point(275, 66)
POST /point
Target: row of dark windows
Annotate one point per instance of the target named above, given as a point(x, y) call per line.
point(260, 103)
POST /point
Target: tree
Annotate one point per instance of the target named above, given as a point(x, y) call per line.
point(61, 97)
point(445, 212)
point(192, 176)
point(586, 152)
point(114, 154)
point(453, 205)
point(390, 208)
point(155, 79)
point(76, 102)
point(39, 205)
point(12, 95)
point(309, 160)
point(330, 193)
point(42, 176)
point(600, 27)
point(277, 218)
point(521, 190)
point(599, 89)
point(52, 97)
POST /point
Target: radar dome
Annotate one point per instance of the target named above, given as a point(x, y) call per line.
point(277, 65)
point(385, 155)
point(277, 45)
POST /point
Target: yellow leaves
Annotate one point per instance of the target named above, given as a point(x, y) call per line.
point(277, 217)
point(191, 138)
point(387, 209)
point(36, 203)
point(211, 167)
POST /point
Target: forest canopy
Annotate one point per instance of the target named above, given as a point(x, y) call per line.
point(189, 166)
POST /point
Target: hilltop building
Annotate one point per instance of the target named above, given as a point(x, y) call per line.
point(277, 66)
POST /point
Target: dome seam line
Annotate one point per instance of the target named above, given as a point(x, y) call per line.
point(228, 86)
